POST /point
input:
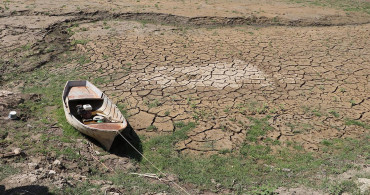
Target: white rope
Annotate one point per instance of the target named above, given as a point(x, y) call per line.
point(152, 163)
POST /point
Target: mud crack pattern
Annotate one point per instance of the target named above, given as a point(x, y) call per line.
point(310, 80)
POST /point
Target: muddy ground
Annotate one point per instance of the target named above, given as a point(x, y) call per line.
point(209, 62)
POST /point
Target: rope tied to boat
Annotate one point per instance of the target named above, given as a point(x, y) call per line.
point(142, 155)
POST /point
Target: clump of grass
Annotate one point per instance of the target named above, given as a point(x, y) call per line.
point(153, 103)
point(343, 186)
point(123, 109)
point(151, 128)
point(259, 128)
point(240, 170)
point(81, 42)
point(357, 123)
point(6, 170)
point(334, 113)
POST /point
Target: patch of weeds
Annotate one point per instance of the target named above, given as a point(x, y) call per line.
point(259, 128)
point(100, 80)
point(151, 128)
point(263, 190)
point(334, 113)
point(70, 29)
point(227, 109)
point(357, 123)
point(326, 142)
point(316, 112)
point(275, 19)
point(353, 102)
point(241, 172)
point(7, 170)
point(152, 104)
point(253, 108)
point(127, 67)
point(83, 59)
point(179, 124)
point(70, 153)
point(80, 189)
point(144, 22)
point(338, 188)
point(26, 47)
point(105, 25)
point(6, 4)
point(81, 42)
point(224, 151)
point(105, 57)
point(68, 130)
point(200, 114)
point(123, 109)
point(51, 48)
point(167, 113)
point(255, 152)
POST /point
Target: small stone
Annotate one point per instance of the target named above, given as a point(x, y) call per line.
point(56, 162)
point(33, 166)
point(17, 151)
point(52, 172)
point(285, 169)
point(97, 152)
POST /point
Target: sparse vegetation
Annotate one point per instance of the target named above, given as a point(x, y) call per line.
point(181, 84)
point(346, 5)
point(82, 42)
point(357, 123)
point(334, 113)
point(152, 104)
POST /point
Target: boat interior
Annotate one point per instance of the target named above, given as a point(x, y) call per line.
point(82, 95)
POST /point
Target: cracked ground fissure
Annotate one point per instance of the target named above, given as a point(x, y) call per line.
point(310, 79)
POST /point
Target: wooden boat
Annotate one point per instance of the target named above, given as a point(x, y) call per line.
point(83, 92)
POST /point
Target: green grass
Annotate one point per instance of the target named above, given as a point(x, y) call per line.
point(244, 170)
point(357, 123)
point(259, 128)
point(82, 42)
point(334, 113)
point(153, 103)
point(6, 170)
point(123, 109)
point(151, 128)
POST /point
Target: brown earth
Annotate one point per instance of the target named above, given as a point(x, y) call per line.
point(213, 62)
point(309, 79)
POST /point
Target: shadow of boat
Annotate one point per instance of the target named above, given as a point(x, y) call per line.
point(25, 190)
point(121, 147)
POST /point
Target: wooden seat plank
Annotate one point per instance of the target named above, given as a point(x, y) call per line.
point(82, 92)
point(106, 126)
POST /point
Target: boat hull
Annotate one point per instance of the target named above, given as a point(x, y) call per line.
point(103, 135)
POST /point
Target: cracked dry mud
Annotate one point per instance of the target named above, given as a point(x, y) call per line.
point(309, 79)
